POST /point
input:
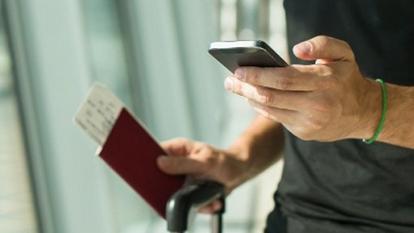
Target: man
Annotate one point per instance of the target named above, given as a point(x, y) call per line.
point(319, 114)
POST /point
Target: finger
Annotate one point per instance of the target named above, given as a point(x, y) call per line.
point(178, 146)
point(211, 208)
point(179, 165)
point(291, 78)
point(270, 97)
point(324, 47)
point(279, 115)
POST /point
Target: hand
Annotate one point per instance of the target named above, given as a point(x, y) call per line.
point(326, 101)
point(202, 161)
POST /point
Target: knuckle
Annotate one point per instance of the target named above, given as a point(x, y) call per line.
point(251, 75)
point(199, 147)
point(349, 50)
point(207, 149)
point(283, 71)
point(208, 162)
point(283, 83)
point(265, 97)
point(182, 140)
point(351, 54)
point(320, 69)
point(326, 76)
point(255, 74)
point(237, 87)
point(322, 40)
point(206, 152)
point(345, 44)
point(323, 70)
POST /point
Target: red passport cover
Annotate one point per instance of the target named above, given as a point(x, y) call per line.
point(132, 153)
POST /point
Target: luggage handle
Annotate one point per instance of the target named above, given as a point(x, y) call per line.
point(191, 196)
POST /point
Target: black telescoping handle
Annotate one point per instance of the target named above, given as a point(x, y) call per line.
point(192, 196)
point(217, 219)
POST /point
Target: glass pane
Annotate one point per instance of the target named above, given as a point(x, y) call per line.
point(157, 50)
point(109, 66)
point(16, 203)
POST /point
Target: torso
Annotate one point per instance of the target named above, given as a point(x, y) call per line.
point(348, 186)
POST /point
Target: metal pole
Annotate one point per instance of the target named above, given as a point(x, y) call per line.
point(253, 19)
point(217, 223)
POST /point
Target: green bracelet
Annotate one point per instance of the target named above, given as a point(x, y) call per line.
point(383, 113)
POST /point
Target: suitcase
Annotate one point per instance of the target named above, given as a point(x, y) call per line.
point(180, 207)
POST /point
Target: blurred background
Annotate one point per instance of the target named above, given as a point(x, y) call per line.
point(150, 53)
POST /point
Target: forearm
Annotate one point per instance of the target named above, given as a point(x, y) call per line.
point(399, 118)
point(260, 145)
point(399, 122)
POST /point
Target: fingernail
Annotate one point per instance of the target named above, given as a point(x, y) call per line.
point(240, 74)
point(304, 47)
point(228, 84)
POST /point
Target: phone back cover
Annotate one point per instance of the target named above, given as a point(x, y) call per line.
point(132, 153)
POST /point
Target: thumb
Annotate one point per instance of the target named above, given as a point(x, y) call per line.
point(323, 48)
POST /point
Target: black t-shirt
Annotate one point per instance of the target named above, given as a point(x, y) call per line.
point(348, 186)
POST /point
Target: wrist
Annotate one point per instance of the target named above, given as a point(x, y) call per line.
point(370, 110)
point(240, 149)
point(256, 149)
point(235, 165)
point(400, 101)
point(246, 150)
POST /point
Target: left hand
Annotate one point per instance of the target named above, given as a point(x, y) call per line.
point(326, 101)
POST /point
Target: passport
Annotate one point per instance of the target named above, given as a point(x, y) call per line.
point(127, 147)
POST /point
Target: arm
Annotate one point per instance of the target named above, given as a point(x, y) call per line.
point(329, 100)
point(399, 126)
point(399, 121)
point(255, 150)
point(260, 145)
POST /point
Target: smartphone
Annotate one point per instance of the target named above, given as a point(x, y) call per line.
point(234, 54)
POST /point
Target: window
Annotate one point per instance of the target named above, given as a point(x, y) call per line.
point(158, 49)
point(17, 213)
point(153, 55)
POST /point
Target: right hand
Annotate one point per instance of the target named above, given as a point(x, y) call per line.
point(202, 161)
